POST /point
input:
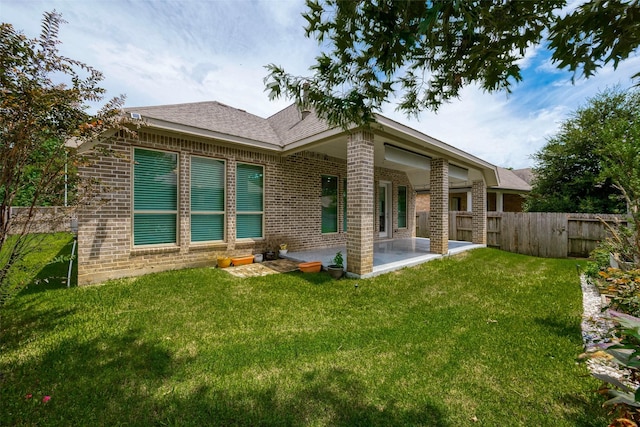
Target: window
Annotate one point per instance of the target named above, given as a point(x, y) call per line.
point(344, 205)
point(207, 199)
point(329, 202)
point(249, 201)
point(155, 197)
point(402, 206)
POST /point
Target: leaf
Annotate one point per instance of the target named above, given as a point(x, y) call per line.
point(613, 381)
point(624, 398)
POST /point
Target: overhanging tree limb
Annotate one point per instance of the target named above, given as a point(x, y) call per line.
point(43, 104)
point(426, 52)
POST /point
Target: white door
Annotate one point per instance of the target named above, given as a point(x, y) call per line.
point(384, 208)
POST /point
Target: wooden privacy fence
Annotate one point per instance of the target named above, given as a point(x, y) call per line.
point(543, 234)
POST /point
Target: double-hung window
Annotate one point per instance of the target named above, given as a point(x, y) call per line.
point(329, 202)
point(207, 199)
point(402, 206)
point(155, 197)
point(249, 201)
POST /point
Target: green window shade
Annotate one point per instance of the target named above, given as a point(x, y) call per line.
point(154, 229)
point(329, 202)
point(344, 205)
point(155, 197)
point(402, 206)
point(207, 227)
point(249, 188)
point(207, 185)
point(207, 199)
point(249, 200)
point(249, 225)
point(155, 180)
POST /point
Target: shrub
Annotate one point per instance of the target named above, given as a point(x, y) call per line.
point(622, 288)
point(625, 397)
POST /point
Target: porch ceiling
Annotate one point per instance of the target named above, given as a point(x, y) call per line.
point(336, 146)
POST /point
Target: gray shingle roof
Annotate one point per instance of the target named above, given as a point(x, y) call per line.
point(213, 116)
point(217, 120)
point(509, 180)
point(290, 126)
point(525, 174)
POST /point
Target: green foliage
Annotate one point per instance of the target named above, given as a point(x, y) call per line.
point(31, 181)
point(426, 52)
point(622, 288)
point(626, 353)
point(592, 162)
point(43, 107)
point(599, 260)
point(622, 285)
point(596, 33)
point(338, 260)
point(46, 261)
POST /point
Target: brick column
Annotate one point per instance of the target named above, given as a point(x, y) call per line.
point(230, 192)
point(439, 217)
point(479, 209)
point(360, 202)
point(184, 203)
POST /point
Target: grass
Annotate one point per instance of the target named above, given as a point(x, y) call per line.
point(484, 338)
point(46, 259)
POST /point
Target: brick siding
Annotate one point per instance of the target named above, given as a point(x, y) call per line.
point(479, 209)
point(512, 202)
point(423, 202)
point(439, 224)
point(292, 209)
point(360, 202)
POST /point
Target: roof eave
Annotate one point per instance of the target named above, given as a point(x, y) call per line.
point(489, 171)
point(83, 146)
point(164, 125)
point(310, 141)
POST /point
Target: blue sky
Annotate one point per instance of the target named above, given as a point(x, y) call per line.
point(165, 52)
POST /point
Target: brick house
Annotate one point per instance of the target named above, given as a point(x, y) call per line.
point(204, 179)
point(507, 196)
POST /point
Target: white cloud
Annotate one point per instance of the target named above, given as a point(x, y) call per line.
point(162, 52)
point(488, 127)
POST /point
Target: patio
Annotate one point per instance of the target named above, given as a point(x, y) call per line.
point(388, 255)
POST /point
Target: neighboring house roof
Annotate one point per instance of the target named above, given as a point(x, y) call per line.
point(510, 180)
point(525, 174)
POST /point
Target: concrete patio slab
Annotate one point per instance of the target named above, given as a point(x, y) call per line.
point(388, 255)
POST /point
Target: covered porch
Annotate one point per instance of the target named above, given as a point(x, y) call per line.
point(376, 237)
point(388, 255)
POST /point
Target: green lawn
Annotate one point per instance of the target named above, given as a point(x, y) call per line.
point(484, 338)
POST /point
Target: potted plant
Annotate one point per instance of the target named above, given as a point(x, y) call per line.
point(336, 269)
point(224, 261)
point(283, 249)
point(269, 253)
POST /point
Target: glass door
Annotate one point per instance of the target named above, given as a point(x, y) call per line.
point(384, 198)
